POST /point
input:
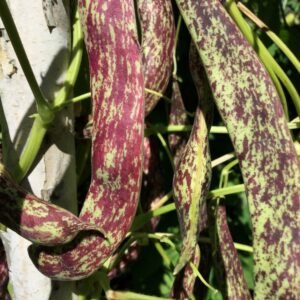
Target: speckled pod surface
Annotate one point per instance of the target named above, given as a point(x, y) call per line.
point(177, 116)
point(207, 106)
point(230, 273)
point(193, 173)
point(185, 280)
point(251, 110)
point(117, 140)
point(158, 37)
point(35, 219)
point(152, 192)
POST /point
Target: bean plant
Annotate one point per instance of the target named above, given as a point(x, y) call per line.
point(194, 173)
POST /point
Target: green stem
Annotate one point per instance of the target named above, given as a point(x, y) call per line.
point(225, 173)
point(39, 127)
point(162, 201)
point(74, 100)
point(31, 148)
point(74, 66)
point(149, 91)
point(238, 246)
point(142, 219)
point(165, 258)
point(175, 46)
point(283, 47)
point(220, 160)
point(154, 129)
point(229, 190)
point(273, 36)
point(43, 107)
point(121, 252)
point(200, 277)
point(88, 95)
point(166, 148)
point(264, 55)
point(161, 237)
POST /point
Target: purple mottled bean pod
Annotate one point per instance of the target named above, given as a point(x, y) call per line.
point(158, 37)
point(178, 116)
point(117, 140)
point(193, 173)
point(253, 115)
point(230, 274)
point(185, 280)
point(35, 219)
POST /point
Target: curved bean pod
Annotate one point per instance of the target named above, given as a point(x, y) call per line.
point(35, 219)
point(251, 110)
point(117, 141)
point(158, 38)
point(152, 192)
point(193, 173)
point(205, 98)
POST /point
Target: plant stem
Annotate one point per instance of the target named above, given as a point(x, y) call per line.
point(238, 246)
point(264, 55)
point(39, 127)
point(166, 260)
point(166, 148)
point(43, 107)
point(74, 66)
point(274, 37)
point(225, 173)
point(222, 159)
point(158, 94)
point(198, 274)
point(74, 100)
point(31, 148)
point(153, 129)
point(142, 219)
point(175, 47)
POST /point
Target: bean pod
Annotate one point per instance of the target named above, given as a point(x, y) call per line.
point(253, 115)
point(158, 37)
point(117, 149)
point(35, 219)
point(230, 275)
point(178, 116)
point(185, 280)
point(193, 173)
